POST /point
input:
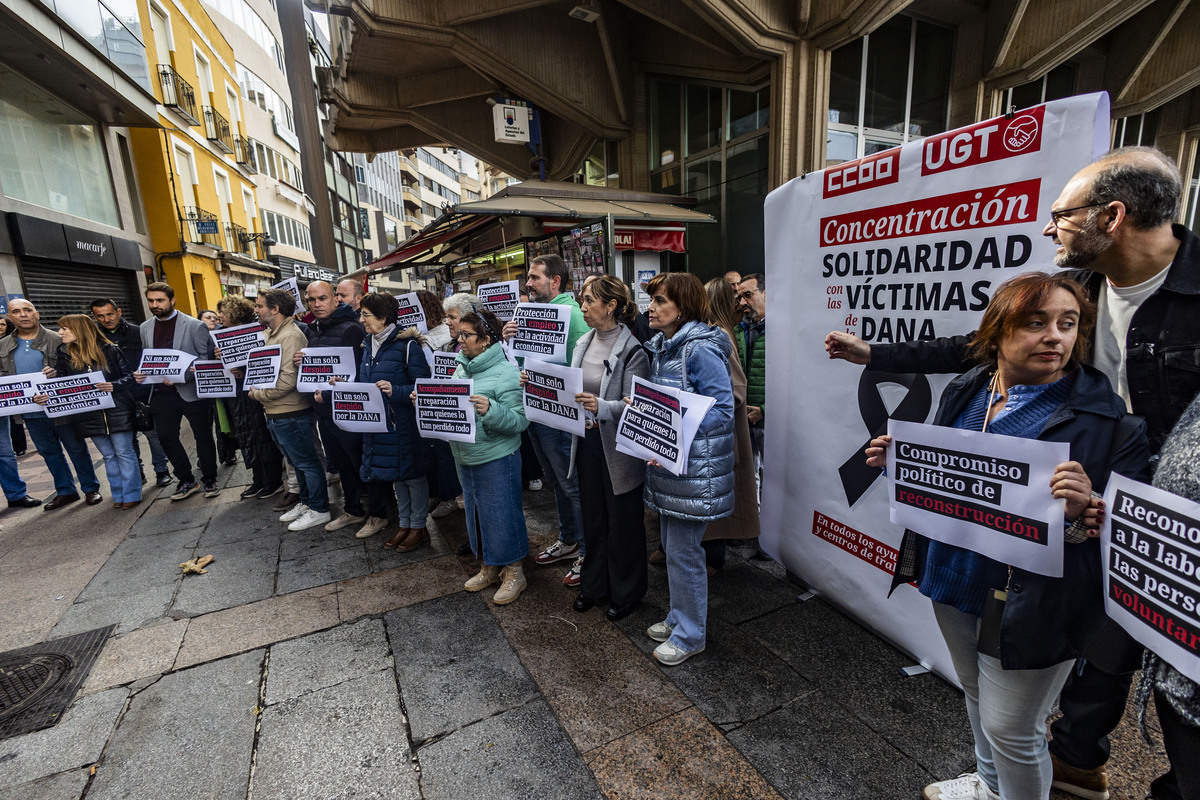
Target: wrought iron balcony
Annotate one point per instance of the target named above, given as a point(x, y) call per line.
point(235, 239)
point(202, 227)
point(244, 148)
point(217, 130)
point(177, 93)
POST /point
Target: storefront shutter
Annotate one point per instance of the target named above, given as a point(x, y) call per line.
point(57, 289)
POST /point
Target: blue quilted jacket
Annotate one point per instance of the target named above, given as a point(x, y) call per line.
point(397, 454)
point(696, 359)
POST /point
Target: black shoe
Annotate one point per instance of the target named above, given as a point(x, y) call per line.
point(163, 479)
point(464, 549)
point(265, 493)
point(583, 604)
point(18, 452)
point(232, 462)
point(185, 489)
point(251, 491)
point(620, 611)
point(210, 489)
point(24, 502)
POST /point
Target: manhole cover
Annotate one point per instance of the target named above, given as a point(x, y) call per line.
point(38, 682)
point(25, 679)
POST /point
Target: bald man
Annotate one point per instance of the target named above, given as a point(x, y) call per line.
point(351, 293)
point(1113, 224)
point(336, 324)
point(32, 349)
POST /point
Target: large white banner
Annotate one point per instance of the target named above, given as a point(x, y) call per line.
point(905, 244)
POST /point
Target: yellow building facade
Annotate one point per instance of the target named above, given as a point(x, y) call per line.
point(197, 171)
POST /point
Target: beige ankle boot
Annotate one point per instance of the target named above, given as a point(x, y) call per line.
point(486, 577)
point(512, 583)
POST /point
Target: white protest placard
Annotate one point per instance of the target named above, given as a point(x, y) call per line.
point(213, 379)
point(74, 394)
point(444, 410)
point(980, 491)
point(549, 396)
point(905, 244)
point(1150, 547)
point(500, 298)
point(444, 365)
point(358, 407)
point(293, 286)
point(651, 426)
point(411, 312)
point(16, 393)
point(236, 342)
point(165, 365)
point(542, 330)
point(262, 368)
point(320, 365)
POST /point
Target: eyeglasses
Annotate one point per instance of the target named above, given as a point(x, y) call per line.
point(1056, 217)
point(747, 294)
point(366, 314)
point(465, 334)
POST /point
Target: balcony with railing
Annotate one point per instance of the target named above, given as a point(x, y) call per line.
point(244, 152)
point(202, 227)
point(236, 240)
point(177, 93)
point(217, 130)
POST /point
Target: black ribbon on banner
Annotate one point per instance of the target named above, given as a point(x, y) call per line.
point(857, 477)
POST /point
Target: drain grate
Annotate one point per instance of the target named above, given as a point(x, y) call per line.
point(38, 682)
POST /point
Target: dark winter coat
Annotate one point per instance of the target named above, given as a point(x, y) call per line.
point(341, 329)
point(396, 455)
point(1050, 620)
point(250, 428)
point(108, 420)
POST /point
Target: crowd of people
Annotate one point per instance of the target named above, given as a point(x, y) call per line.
point(1101, 356)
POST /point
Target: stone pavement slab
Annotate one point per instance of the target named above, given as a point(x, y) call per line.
point(321, 660)
point(236, 519)
point(313, 541)
point(145, 606)
point(319, 569)
point(521, 753)
point(235, 630)
point(165, 515)
point(145, 653)
point(812, 749)
point(76, 741)
point(189, 734)
point(144, 561)
point(243, 571)
point(453, 674)
point(395, 588)
point(63, 786)
point(342, 741)
point(682, 757)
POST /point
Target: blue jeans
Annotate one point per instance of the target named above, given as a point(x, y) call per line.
point(687, 580)
point(121, 466)
point(50, 439)
point(494, 489)
point(553, 448)
point(1007, 709)
point(412, 502)
point(294, 435)
point(10, 479)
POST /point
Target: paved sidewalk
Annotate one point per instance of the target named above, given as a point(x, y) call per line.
point(313, 665)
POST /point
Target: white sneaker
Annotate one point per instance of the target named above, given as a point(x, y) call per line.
point(293, 513)
point(968, 786)
point(535, 485)
point(669, 655)
point(344, 519)
point(443, 509)
point(659, 631)
point(309, 519)
point(558, 551)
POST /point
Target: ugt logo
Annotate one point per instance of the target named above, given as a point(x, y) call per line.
point(1020, 132)
point(510, 115)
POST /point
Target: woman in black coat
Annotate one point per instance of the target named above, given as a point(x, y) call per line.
point(259, 450)
point(83, 350)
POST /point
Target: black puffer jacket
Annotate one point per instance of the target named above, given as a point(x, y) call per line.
point(250, 428)
point(342, 329)
point(109, 420)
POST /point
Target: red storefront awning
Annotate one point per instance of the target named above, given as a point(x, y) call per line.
point(649, 239)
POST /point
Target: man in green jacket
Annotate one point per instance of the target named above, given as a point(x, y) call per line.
point(547, 282)
point(752, 297)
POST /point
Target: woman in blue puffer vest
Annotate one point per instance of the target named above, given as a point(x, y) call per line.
point(689, 355)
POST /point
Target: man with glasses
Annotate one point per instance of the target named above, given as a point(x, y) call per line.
point(1113, 226)
point(752, 299)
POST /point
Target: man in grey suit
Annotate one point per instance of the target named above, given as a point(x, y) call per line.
point(171, 402)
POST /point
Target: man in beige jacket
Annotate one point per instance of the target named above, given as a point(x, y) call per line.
point(289, 412)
